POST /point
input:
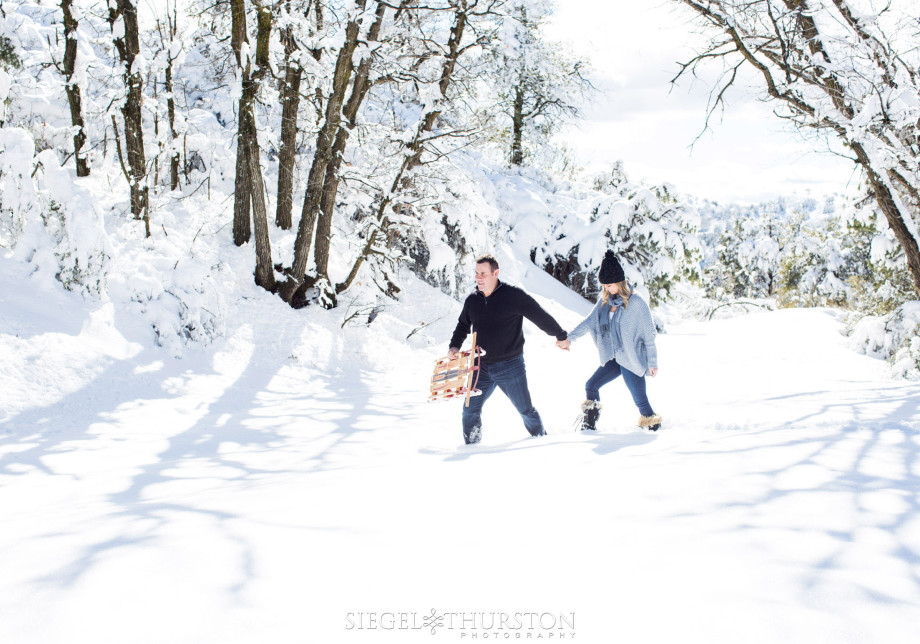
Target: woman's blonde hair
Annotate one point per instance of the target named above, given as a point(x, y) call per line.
point(624, 292)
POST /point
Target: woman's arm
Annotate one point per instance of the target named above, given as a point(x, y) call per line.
point(646, 333)
point(585, 325)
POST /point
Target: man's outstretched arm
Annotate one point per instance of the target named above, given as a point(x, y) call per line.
point(536, 314)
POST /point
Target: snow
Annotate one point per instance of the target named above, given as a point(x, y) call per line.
point(288, 483)
point(184, 458)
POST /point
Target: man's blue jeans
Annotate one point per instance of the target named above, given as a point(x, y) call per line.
point(511, 377)
point(608, 373)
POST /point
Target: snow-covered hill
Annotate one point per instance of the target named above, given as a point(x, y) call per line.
point(288, 483)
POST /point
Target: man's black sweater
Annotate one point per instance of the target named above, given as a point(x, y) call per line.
point(498, 321)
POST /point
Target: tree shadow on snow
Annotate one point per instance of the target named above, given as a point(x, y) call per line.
point(273, 433)
point(609, 443)
point(872, 461)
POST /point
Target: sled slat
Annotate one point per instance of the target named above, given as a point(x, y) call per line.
point(453, 377)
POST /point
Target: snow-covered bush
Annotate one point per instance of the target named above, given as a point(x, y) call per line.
point(49, 220)
point(894, 337)
point(802, 255)
point(179, 293)
point(652, 232)
point(74, 221)
point(815, 263)
point(17, 190)
point(743, 249)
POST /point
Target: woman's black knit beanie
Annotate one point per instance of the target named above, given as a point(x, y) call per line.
point(611, 272)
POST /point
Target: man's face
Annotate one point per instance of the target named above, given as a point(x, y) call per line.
point(486, 280)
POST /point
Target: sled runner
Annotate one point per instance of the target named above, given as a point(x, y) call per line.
point(457, 376)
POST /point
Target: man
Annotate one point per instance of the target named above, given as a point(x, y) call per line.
point(496, 311)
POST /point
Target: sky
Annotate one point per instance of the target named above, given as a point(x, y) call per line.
point(748, 154)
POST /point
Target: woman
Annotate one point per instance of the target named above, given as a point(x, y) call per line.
point(622, 328)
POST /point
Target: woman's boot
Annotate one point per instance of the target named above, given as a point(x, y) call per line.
point(590, 412)
point(653, 422)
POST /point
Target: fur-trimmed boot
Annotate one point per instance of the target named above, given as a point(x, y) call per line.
point(590, 412)
point(653, 422)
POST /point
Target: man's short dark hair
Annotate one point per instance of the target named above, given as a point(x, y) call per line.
point(490, 260)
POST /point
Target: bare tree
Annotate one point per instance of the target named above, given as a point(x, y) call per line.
point(325, 140)
point(352, 80)
point(839, 67)
point(539, 84)
point(464, 12)
point(73, 90)
point(359, 89)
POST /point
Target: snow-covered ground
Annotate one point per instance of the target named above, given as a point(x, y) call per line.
point(289, 483)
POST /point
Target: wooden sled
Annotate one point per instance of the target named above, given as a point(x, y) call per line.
point(457, 376)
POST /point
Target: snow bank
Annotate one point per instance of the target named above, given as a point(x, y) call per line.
point(75, 231)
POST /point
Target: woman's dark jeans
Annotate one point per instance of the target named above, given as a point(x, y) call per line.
point(511, 377)
point(608, 373)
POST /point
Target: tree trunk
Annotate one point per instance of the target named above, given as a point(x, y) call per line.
point(132, 112)
point(172, 25)
point(73, 90)
point(242, 230)
point(891, 207)
point(242, 221)
point(249, 183)
point(171, 111)
point(517, 124)
point(128, 47)
point(290, 105)
point(265, 275)
point(325, 140)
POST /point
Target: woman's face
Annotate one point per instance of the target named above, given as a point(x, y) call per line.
point(613, 289)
